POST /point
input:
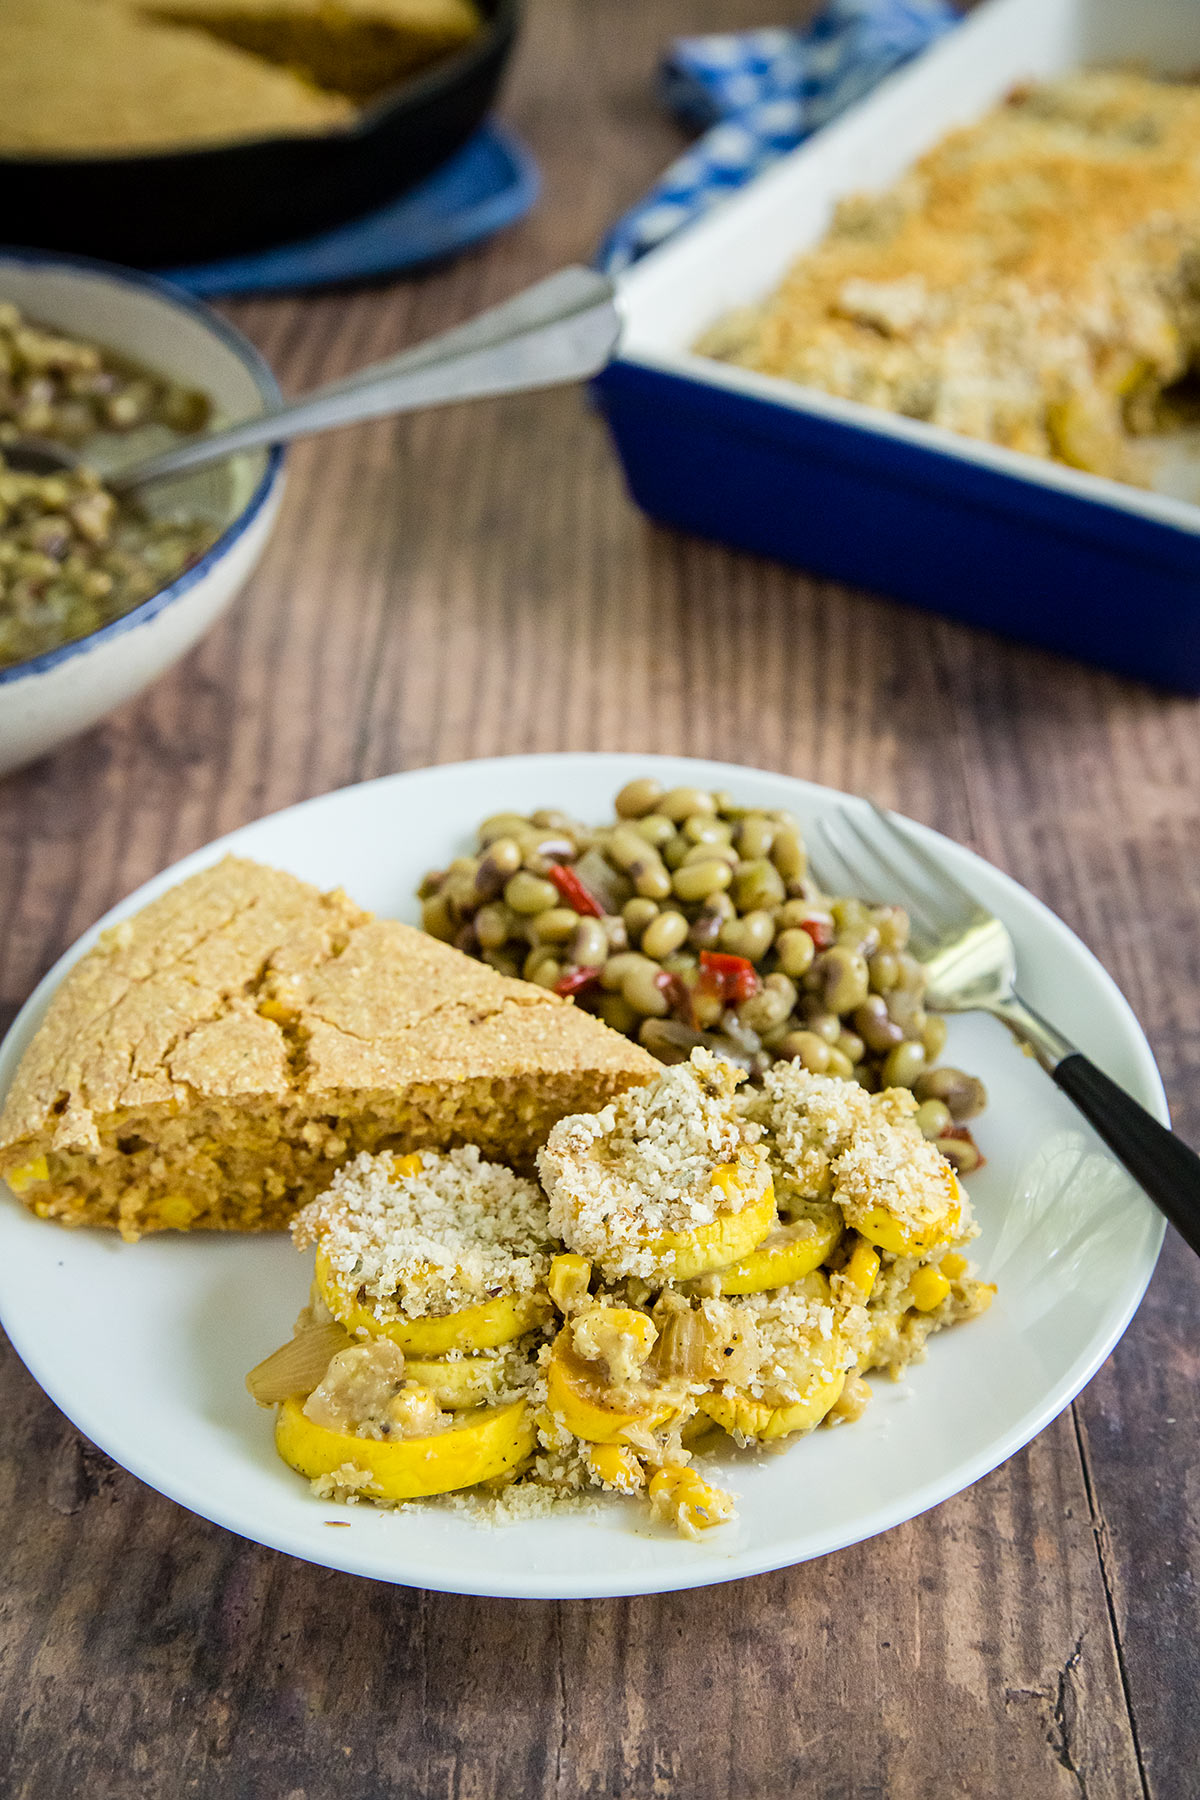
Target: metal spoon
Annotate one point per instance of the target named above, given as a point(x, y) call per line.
point(563, 329)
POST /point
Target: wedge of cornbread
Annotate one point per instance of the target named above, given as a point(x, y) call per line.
point(212, 1060)
point(92, 76)
point(352, 47)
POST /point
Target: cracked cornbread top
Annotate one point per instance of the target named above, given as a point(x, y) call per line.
point(1032, 280)
point(644, 1165)
point(431, 1240)
point(213, 1059)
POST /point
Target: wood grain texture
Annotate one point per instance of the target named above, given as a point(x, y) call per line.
point(476, 582)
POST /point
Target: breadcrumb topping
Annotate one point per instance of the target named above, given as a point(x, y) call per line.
point(830, 1139)
point(644, 1165)
point(461, 1231)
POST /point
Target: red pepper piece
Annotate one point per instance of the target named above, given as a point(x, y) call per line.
point(819, 929)
point(576, 982)
point(572, 892)
point(733, 978)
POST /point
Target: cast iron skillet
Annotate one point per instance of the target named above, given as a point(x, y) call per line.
point(191, 206)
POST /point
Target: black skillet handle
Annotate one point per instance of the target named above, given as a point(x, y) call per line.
point(1159, 1162)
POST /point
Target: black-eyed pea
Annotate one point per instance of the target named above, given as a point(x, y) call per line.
point(637, 914)
point(749, 936)
point(905, 1008)
point(589, 944)
point(933, 1118)
point(642, 987)
point(787, 853)
point(503, 963)
point(902, 1065)
point(851, 1046)
point(680, 803)
point(556, 926)
point(823, 1024)
point(664, 934)
point(506, 824)
point(755, 835)
point(493, 926)
point(501, 859)
point(965, 1095)
point(706, 1009)
point(528, 894)
point(884, 971)
point(638, 797)
point(960, 1153)
point(874, 1024)
point(542, 966)
point(707, 852)
point(792, 914)
point(909, 973)
point(696, 881)
point(843, 981)
point(758, 885)
point(892, 923)
point(437, 919)
point(655, 829)
point(613, 973)
point(617, 1013)
point(550, 819)
point(763, 1011)
point(933, 1037)
point(780, 983)
point(705, 930)
point(651, 877)
point(807, 1048)
point(459, 885)
point(839, 1064)
point(615, 931)
point(795, 950)
point(706, 828)
point(675, 850)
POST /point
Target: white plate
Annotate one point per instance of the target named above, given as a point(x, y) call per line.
point(145, 1346)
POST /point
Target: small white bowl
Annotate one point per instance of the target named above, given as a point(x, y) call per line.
point(54, 696)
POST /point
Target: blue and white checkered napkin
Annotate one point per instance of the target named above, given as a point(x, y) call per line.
point(759, 93)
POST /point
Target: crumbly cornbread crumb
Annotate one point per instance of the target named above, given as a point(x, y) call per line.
point(644, 1165)
point(212, 1060)
point(430, 1243)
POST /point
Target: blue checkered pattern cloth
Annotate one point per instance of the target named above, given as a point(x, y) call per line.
point(757, 94)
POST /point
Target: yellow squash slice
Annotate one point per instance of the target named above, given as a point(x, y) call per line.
point(583, 1402)
point(890, 1233)
point(482, 1327)
point(785, 1255)
point(485, 1443)
point(683, 1255)
point(464, 1381)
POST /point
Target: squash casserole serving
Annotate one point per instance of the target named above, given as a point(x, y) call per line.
point(704, 1268)
point(1034, 280)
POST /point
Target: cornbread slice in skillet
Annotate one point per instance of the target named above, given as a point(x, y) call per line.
point(89, 76)
point(212, 1060)
point(353, 47)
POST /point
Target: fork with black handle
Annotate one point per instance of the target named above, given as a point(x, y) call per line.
point(971, 966)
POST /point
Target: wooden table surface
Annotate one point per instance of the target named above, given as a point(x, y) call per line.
point(477, 582)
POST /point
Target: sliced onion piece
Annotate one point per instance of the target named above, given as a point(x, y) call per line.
point(297, 1367)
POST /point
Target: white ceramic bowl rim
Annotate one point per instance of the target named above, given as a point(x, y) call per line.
point(264, 380)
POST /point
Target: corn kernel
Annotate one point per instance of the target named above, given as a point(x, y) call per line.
point(863, 1268)
point(176, 1211)
point(275, 1010)
point(729, 1178)
point(688, 1501)
point(617, 1467)
point(28, 1173)
point(568, 1280)
point(929, 1288)
point(954, 1265)
point(404, 1166)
